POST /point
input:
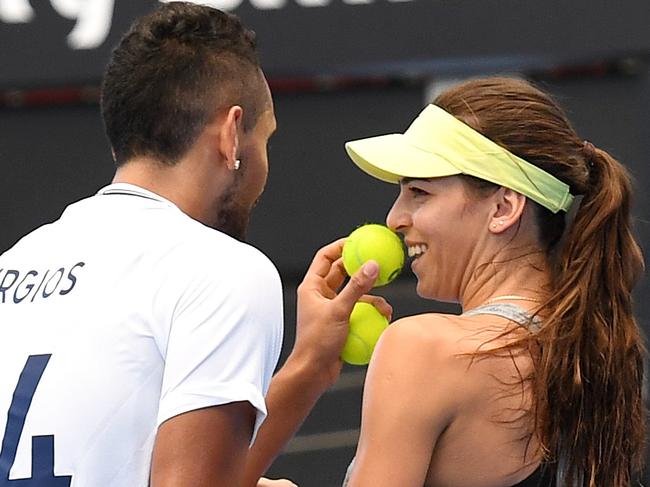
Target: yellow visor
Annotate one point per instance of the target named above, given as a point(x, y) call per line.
point(437, 144)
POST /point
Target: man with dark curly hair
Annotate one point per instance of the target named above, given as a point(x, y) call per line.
point(139, 333)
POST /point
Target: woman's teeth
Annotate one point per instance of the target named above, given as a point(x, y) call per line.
point(417, 250)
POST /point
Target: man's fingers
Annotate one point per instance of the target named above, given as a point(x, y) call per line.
point(359, 284)
point(336, 275)
point(380, 303)
point(324, 259)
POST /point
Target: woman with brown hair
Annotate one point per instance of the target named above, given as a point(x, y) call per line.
point(507, 211)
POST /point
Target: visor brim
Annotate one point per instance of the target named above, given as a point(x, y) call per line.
point(391, 158)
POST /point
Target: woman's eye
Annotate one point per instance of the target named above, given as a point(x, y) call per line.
point(417, 191)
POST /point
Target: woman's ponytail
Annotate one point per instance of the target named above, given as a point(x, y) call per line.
point(588, 409)
point(591, 363)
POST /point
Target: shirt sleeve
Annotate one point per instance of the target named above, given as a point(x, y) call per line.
point(225, 336)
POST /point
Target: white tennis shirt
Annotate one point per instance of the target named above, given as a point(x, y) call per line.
point(120, 315)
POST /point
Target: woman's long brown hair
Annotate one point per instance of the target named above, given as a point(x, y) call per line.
point(588, 408)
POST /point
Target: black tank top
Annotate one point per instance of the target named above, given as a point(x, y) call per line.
point(542, 477)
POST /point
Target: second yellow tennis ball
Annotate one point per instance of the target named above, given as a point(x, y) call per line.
point(374, 242)
point(366, 326)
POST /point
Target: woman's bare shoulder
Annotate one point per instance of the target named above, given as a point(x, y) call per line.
point(414, 370)
point(451, 334)
point(446, 350)
point(421, 346)
point(459, 333)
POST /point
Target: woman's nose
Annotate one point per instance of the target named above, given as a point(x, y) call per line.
point(398, 218)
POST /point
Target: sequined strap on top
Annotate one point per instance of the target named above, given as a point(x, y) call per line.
point(509, 311)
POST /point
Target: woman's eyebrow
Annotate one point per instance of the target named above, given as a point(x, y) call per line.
point(405, 180)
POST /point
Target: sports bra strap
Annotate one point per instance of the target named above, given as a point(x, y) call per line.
point(509, 311)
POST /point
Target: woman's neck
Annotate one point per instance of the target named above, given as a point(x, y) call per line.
point(521, 275)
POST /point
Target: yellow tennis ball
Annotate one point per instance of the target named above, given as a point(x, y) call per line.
point(366, 326)
point(374, 242)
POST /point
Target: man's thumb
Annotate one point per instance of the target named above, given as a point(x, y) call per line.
point(360, 283)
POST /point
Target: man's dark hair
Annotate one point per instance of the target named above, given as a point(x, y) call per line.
point(171, 73)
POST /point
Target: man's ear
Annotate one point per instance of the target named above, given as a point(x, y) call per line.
point(509, 206)
point(229, 136)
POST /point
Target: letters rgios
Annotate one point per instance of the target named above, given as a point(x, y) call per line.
point(94, 17)
point(18, 285)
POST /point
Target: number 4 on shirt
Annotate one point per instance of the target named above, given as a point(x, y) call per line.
point(42, 446)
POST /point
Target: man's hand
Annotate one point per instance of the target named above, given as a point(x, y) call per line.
point(314, 363)
point(324, 312)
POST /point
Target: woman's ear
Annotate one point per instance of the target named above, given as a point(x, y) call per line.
point(508, 210)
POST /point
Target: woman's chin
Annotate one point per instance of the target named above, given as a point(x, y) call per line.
point(423, 290)
point(427, 291)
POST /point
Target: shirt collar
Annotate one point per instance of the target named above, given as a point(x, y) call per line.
point(129, 189)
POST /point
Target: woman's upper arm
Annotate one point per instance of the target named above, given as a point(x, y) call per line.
point(408, 401)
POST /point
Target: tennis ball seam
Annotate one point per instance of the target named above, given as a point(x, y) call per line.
point(368, 351)
point(352, 251)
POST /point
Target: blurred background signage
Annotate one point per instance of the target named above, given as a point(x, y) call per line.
point(63, 42)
